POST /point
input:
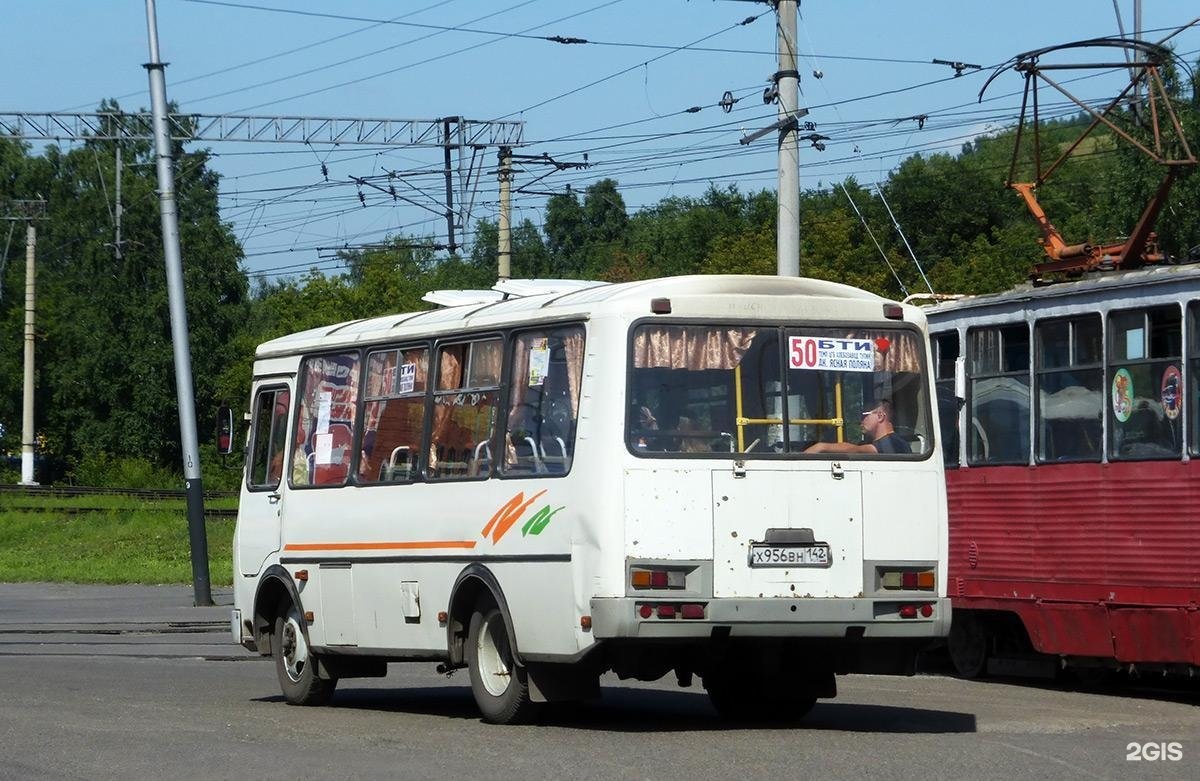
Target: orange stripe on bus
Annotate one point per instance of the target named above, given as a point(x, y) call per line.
point(423, 545)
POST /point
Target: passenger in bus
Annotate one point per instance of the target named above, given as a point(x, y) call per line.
point(646, 422)
point(691, 438)
point(880, 436)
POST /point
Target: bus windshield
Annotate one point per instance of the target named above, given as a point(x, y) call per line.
point(758, 391)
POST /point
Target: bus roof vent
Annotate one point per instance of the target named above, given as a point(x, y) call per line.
point(517, 288)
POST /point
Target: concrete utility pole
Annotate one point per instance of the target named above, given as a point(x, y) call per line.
point(117, 212)
point(787, 79)
point(201, 590)
point(27, 429)
point(27, 212)
point(504, 231)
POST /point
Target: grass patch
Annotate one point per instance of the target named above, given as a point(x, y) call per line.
point(136, 541)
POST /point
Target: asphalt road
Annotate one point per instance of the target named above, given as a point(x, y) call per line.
point(133, 682)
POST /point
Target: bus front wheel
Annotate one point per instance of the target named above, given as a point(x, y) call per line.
point(500, 685)
point(295, 664)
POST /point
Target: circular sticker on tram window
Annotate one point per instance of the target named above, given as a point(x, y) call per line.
point(1122, 395)
point(1171, 392)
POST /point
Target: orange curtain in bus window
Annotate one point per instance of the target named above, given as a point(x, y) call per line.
point(694, 348)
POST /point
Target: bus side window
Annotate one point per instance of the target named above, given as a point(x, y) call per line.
point(394, 415)
point(324, 432)
point(1069, 389)
point(547, 368)
point(998, 361)
point(464, 410)
point(269, 438)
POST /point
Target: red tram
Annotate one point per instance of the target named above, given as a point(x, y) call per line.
point(1073, 472)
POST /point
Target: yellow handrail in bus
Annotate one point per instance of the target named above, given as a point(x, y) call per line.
point(741, 421)
point(837, 407)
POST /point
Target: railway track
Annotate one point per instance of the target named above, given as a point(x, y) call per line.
point(75, 491)
point(12, 497)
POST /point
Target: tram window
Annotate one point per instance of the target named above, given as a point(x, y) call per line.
point(543, 407)
point(946, 351)
point(1070, 391)
point(465, 401)
point(1145, 363)
point(324, 433)
point(1193, 386)
point(394, 415)
point(998, 432)
point(269, 439)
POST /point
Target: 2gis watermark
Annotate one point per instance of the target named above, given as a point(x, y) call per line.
point(1154, 751)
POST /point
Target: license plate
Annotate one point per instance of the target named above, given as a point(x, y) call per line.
point(796, 555)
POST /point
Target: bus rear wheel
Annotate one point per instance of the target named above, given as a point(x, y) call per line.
point(295, 664)
point(500, 685)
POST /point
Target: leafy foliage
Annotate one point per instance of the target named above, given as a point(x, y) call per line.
point(106, 397)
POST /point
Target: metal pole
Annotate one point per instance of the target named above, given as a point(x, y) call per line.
point(788, 82)
point(117, 245)
point(27, 430)
point(202, 594)
point(449, 183)
point(504, 239)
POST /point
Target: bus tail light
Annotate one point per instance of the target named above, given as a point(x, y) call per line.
point(908, 579)
point(657, 578)
point(669, 610)
point(911, 611)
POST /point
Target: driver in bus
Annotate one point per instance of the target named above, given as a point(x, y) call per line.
point(878, 432)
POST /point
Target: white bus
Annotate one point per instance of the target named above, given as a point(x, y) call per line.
point(542, 488)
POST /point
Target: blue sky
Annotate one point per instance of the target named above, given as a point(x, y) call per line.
point(619, 99)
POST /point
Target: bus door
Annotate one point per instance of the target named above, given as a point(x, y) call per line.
point(265, 484)
point(787, 532)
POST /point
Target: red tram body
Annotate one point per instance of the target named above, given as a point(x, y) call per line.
point(1073, 476)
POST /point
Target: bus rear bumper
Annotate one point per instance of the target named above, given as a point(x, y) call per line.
point(622, 618)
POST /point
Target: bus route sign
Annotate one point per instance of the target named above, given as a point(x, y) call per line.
point(848, 355)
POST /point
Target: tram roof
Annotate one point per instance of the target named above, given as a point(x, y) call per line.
point(1101, 286)
point(578, 298)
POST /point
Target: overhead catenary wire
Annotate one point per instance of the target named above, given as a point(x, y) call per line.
point(882, 254)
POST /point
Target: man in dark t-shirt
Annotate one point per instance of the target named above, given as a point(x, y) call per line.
point(881, 437)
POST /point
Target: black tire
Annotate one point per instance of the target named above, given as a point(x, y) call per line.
point(741, 697)
point(969, 644)
point(499, 684)
point(295, 664)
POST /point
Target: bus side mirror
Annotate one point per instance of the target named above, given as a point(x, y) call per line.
point(225, 430)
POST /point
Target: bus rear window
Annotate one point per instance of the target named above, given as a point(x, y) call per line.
point(705, 390)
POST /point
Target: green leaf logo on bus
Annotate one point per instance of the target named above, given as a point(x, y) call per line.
point(512, 510)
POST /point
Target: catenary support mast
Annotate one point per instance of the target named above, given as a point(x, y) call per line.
point(201, 590)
